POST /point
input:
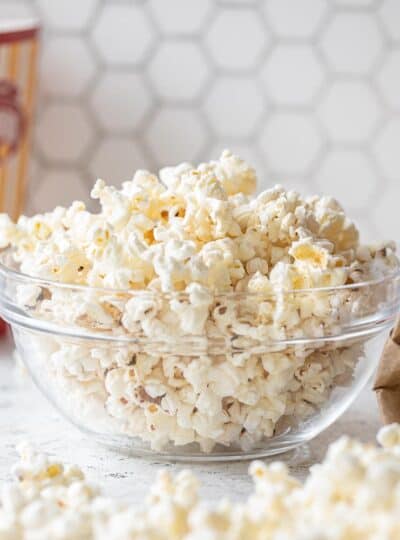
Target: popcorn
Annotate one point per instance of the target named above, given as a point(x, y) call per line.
point(353, 494)
point(193, 291)
point(389, 436)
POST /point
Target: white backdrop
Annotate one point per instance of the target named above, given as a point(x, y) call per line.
point(307, 90)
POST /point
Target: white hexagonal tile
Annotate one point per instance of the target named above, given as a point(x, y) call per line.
point(63, 15)
point(290, 143)
point(386, 213)
point(387, 149)
point(343, 168)
point(175, 135)
point(234, 106)
point(349, 111)
point(390, 16)
point(122, 34)
point(292, 74)
point(238, 2)
point(354, 3)
point(59, 187)
point(187, 80)
point(389, 78)
point(301, 184)
point(352, 42)
point(369, 233)
point(290, 18)
point(10, 9)
point(180, 16)
point(120, 101)
point(116, 160)
point(237, 39)
point(66, 67)
point(63, 132)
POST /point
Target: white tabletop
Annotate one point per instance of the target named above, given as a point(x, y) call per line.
point(25, 415)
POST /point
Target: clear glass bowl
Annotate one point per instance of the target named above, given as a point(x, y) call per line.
point(182, 378)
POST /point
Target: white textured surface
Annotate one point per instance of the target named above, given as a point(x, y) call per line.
point(24, 415)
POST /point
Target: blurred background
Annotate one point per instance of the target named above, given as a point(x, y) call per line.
point(307, 90)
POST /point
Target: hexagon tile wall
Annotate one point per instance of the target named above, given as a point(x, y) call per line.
point(308, 91)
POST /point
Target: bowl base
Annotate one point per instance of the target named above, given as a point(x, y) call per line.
point(275, 448)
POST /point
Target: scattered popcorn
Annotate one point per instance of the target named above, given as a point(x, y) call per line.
point(192, 298)
point(389, 436)
point(354, 494)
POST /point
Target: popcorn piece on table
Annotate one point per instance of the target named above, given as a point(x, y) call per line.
point(353, 494)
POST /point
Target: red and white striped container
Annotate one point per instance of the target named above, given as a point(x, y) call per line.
point(18, 66)
point(18, 63)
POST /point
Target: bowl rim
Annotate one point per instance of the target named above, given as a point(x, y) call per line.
point(46, 282)
point(383, 316)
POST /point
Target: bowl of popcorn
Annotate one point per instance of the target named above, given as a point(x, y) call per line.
point(191, 319)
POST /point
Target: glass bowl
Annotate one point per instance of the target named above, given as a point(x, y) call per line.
point(182, 377)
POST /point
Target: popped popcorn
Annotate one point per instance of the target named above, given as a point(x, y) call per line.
point(188, 310)
point(354, 494)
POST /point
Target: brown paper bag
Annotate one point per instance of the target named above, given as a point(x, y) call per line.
point(387, 380)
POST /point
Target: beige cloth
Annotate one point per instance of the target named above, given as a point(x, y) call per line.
point(387, 380)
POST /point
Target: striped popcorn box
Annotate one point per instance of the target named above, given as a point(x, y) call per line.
point(18, 60)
